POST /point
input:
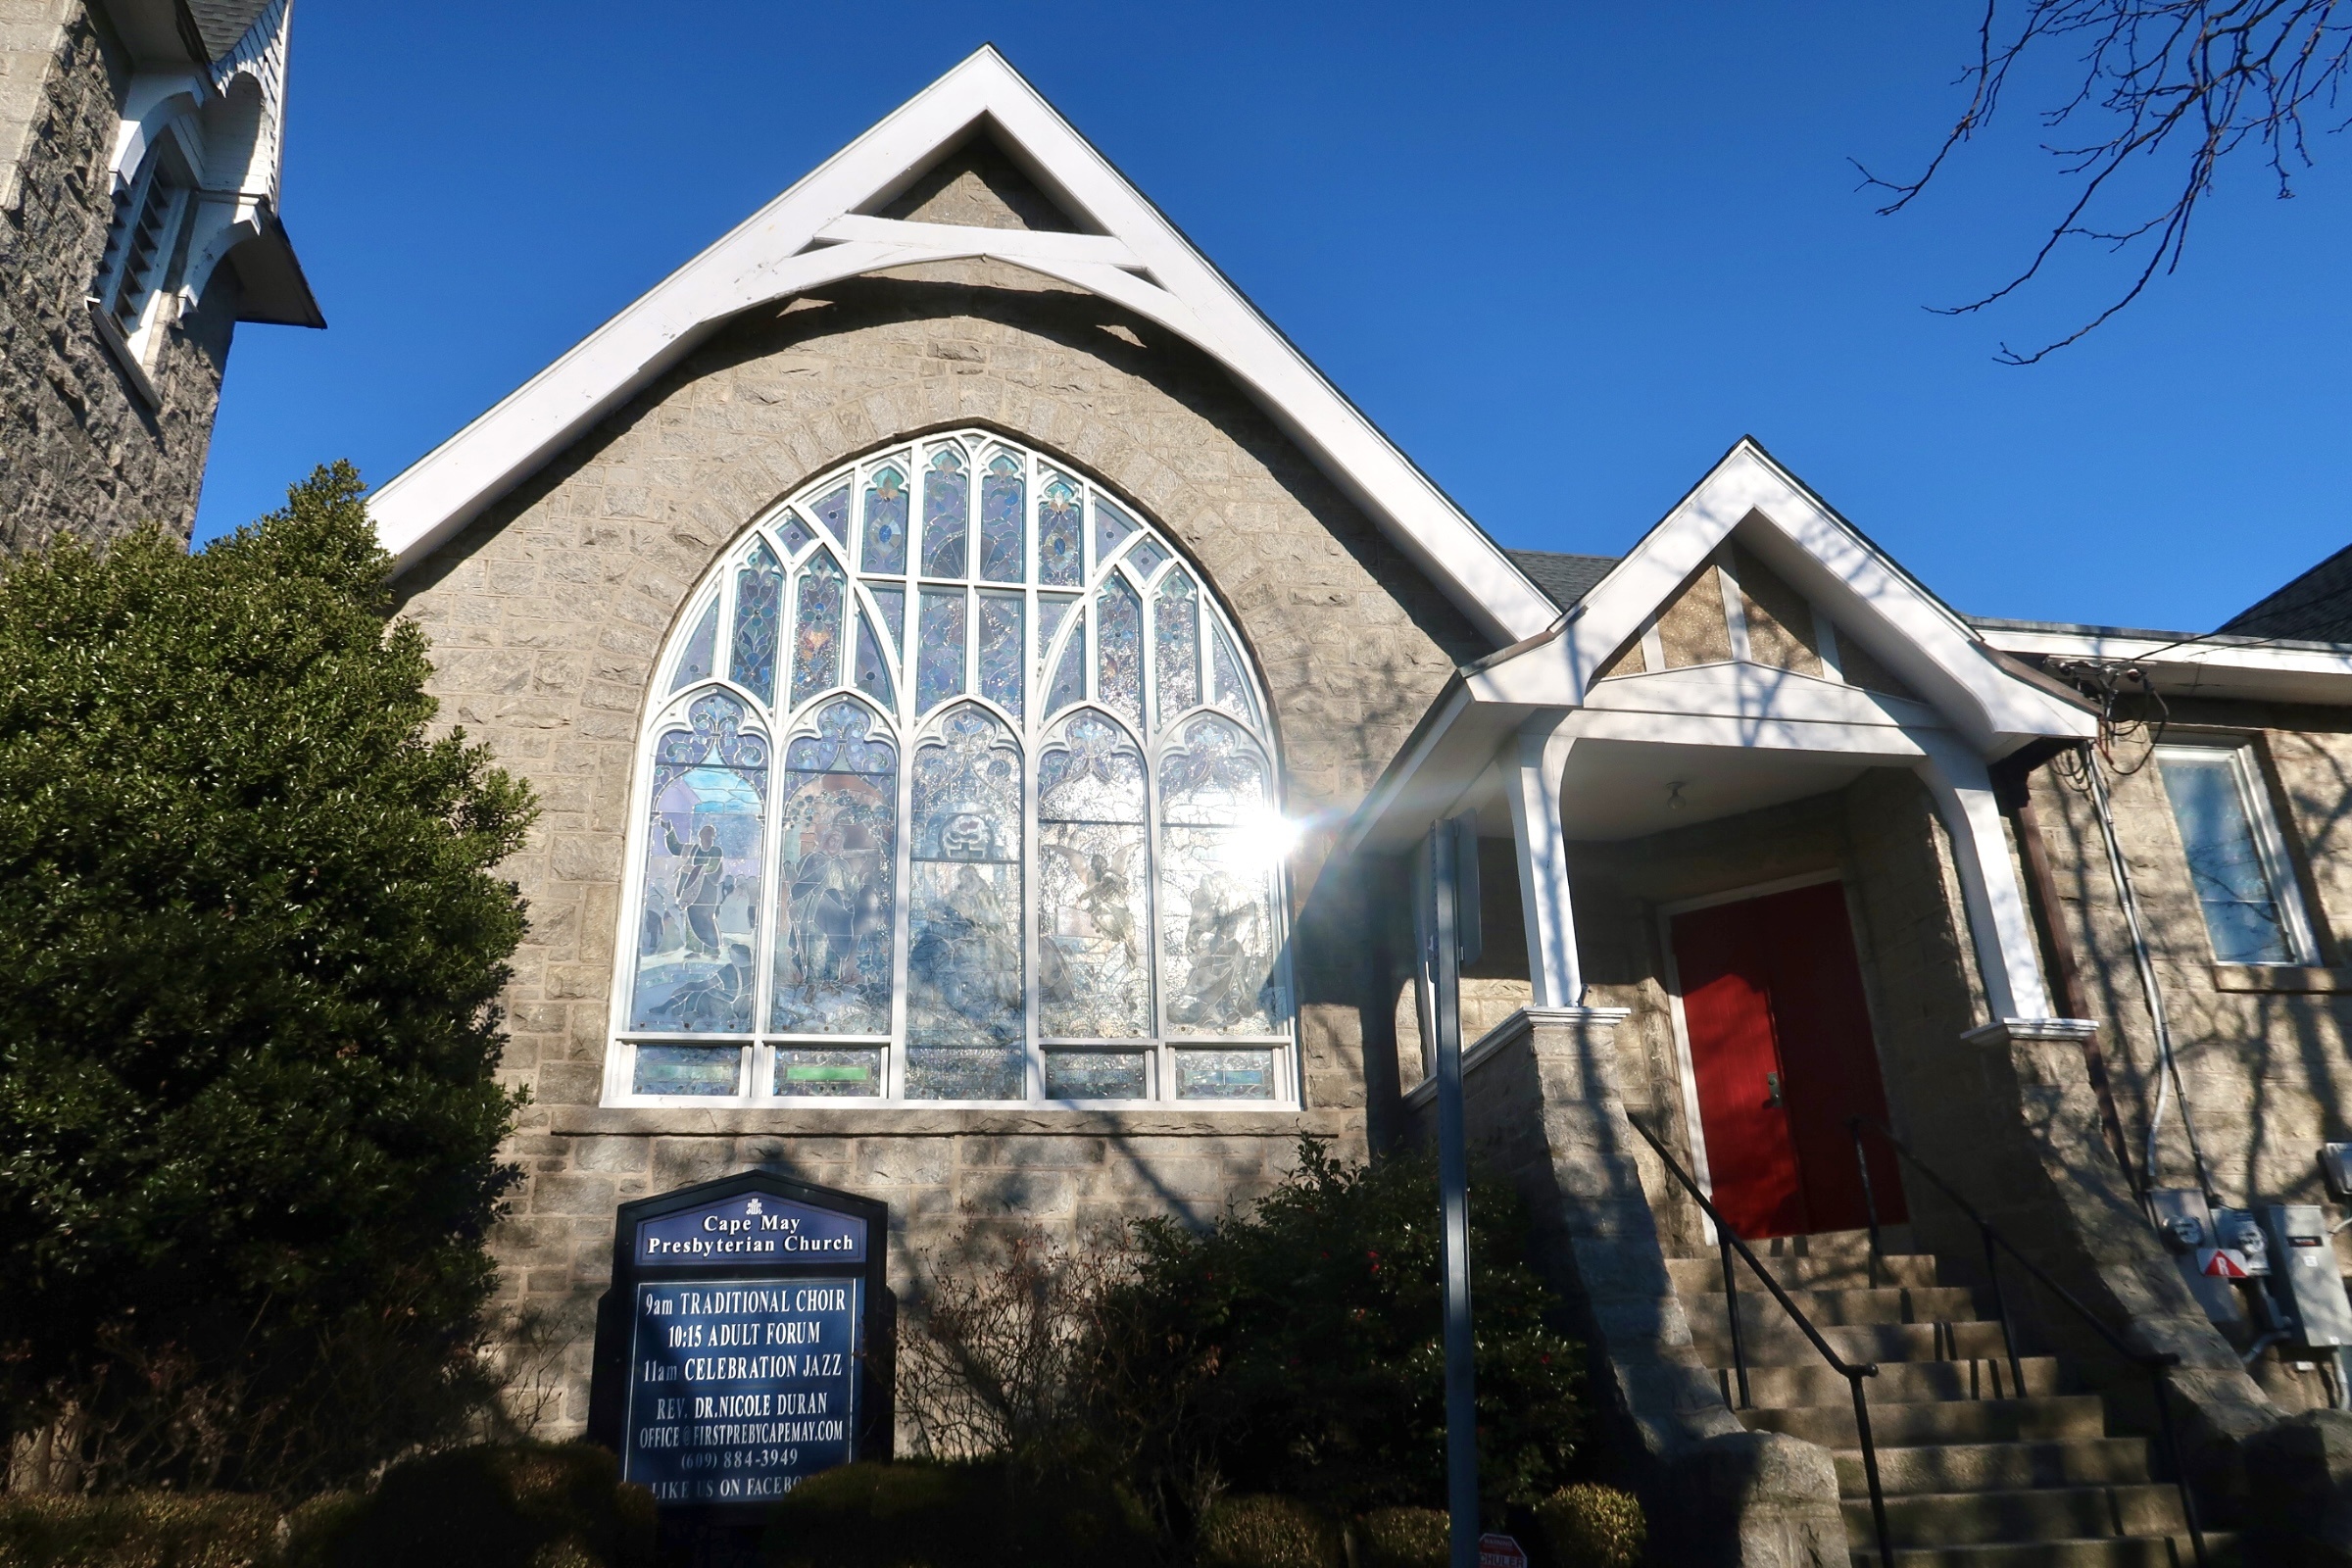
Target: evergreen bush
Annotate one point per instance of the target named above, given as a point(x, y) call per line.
point(137, 1530)
point(1590, 1526)
point(1263, 1531)
point(507, 1505)
point(251, 943)
point(1404, 1537)
point(929, 1514)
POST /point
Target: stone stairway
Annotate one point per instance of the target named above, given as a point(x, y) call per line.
point(1977, 1472)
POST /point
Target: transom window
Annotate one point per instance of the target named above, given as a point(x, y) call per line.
point(2237, 857)
point(961, 791)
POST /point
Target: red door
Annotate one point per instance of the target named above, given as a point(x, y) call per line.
point(1779, 1038)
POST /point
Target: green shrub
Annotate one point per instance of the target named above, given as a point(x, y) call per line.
point(925, 1514)
point(1403, 1538)
point(137, 1530)
point(1590, 1526)
point(251, 949)
point(1299, 1345)
point(1269, 1532)
point(514, 1506)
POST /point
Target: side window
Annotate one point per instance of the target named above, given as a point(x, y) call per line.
point(2236, 856)
point(142, 248)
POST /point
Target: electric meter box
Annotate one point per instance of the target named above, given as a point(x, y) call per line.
point(2304, 1282)
point(2185, 1225)
point(2242, 1239)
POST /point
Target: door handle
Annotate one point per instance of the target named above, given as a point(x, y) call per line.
point(1772, 1092)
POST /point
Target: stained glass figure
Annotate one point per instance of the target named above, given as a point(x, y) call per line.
point(939, 648)
point(885, 547)
point(836, 858)
point(947, 516)
point(1119, 628)
point(795, 533)
point(816, 628)
point(1001, 663)
point(965, 974)
point(1112, 527)
point(1233, 692)
point(1218, 859)
point(803, 1070)
point(872, 674)
point(1224, 1075)
point(1069, 677)
point(891, 600)
point(700, 917)
point(1001, 555)
point(687, 1070)
point(701, 650)
point(1146, 559)
point(1094, 867)
point(758, 621)
point(1176, 645)
point(1098, 1075)
point(1060, 534)
point(832, 511)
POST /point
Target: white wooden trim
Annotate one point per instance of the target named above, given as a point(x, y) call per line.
point(1555, 970)
point(2007, 957)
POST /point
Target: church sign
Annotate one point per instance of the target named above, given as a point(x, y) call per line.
point(738, 1349)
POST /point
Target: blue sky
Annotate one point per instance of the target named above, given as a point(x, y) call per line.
point(1563, 255)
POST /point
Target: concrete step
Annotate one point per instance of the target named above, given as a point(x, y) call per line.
point(1694, 1275)
point(2098, 1551)
point(1897, 1382)
point(2050, 1513)
point(2049, 1418)
point(1997, 1466)
point(1777, 1342)
point(1850, 1247)
point(1900, 1303)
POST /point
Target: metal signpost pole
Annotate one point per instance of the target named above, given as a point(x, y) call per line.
point(1452, 936)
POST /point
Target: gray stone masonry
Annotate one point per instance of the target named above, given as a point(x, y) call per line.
point(81, 449)
point(1541, 1105)
point(546, 617)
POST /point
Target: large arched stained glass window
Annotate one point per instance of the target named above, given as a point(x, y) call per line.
point(958, 792)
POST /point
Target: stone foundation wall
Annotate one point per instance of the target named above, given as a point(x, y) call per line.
point(85, 451)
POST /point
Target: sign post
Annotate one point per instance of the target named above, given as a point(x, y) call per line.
point(1452, 936)
point(744, 1344)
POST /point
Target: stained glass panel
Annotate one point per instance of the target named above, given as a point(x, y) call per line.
point(832, 511)
point(1146, 557)
point(687, 1070)
point(966, 973)
point(701, 650)
point(885, 545)
point(1176, 650)
point(947, 514)
point(816, 628)
point(873, 675)
point(1225, 1076)
point(1092, 871)
point(795, 533)
point(758, 621)
point(831, 1074)
point(892, 601)
point(1001, 555)
point(698, 925)
point(836, 859)
point(1061, 539)
point(1219, 858)
point(1070, 679)
point(1001, 666)
point(1120, 627)
point(1112, 527)
point(1050, 607)
point(1098, 1075)
point(939, 649)
point(1233, 692)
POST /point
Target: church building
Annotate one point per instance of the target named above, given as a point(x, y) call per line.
point(988, 691)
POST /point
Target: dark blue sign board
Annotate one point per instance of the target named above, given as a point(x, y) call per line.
point(745, 1343)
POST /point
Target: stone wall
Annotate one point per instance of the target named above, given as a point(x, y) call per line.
point(85, 450)
point(546, 617)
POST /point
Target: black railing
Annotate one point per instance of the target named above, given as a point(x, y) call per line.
point(1727, 1242)
point(2156, 1363)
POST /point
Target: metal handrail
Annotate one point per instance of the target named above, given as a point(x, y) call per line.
point(1727, 1242)
point(2156, 1363)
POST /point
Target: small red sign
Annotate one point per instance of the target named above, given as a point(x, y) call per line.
point(1500, 1552)
point(2224, 1264)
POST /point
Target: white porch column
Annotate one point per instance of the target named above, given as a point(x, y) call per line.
point(1533, 766)
point(1998, 923)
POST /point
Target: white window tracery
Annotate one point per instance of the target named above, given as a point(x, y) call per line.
point(960, 792)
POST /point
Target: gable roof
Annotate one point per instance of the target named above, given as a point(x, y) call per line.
point(2316, 606)
point(830, 225)
point(1564, 579)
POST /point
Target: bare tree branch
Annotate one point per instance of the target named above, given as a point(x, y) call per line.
point(2186, 80)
